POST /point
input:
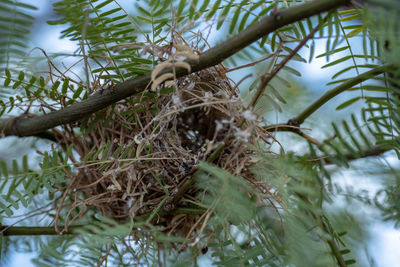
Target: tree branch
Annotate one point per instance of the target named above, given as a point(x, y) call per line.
point(374, 151)
point(7, 230)
point(35, 230)
point(337, 90)
point(368, 152)
point(293, 125)
point(22, 126)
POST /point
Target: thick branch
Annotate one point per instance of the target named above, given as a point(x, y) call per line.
point(77, 229)
point(35, 230)
point(31, 126)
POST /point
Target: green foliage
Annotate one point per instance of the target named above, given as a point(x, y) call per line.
point(15, 28)
point(15, 23)
point(387, 200)
point(21, 184)
point(227, 195)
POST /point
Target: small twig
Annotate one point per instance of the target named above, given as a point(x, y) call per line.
point(65, 194)
point(332, 244)
point(266, 80)
point(85, 57)
point(241, 80)
point(105, 256)
point(250, 64)
point(294, 129)
point(282, 128)
point(309, 138)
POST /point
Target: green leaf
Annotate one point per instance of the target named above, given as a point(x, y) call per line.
point(336, 62)
point(21, 76)
point(68, 153)
point(354, 32)
point(41, 81)
point(55, 86)
point(181, 6)
point(2, 107)
point(204, 6)
point(4, 208)
point(352, 17)
point(292, 70)
point(312, 51)
point(234, 20)
point(213, 9)
point(106, 150)
point(112, 11)
point(77, 92)
point(25, 166)
point(333, 52)
point(192, 8)
point(65, 85)
point(16, 84)
point(8, 73)
point(276, 94)
point(104, 4)
point(4, 168)
point(349, 262)
point(7, 82)
point(348, 103)
point(224, 14)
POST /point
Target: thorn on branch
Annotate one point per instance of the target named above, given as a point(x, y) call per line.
point(276, 14)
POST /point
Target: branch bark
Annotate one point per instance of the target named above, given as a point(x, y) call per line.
point(374, 151)
point(22, 126)
point(293, 125)
point(340, 89)
point(10, 230)
point(35, 230)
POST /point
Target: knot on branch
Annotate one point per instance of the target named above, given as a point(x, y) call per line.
point(293, 122)
point(11, 125)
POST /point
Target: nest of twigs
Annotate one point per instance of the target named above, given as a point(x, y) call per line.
point(142, 154)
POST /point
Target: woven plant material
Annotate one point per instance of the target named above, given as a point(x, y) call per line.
point(141, 155)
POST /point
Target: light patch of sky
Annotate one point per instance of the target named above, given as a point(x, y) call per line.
point(313, 70)
point(51, 43)
point(384, 237)
point(48, 39)
point(385, 244)
point(21, 259)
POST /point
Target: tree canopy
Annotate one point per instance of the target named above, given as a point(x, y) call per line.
point(157, 146)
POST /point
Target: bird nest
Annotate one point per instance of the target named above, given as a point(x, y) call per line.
point(140, 156)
